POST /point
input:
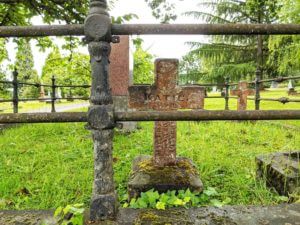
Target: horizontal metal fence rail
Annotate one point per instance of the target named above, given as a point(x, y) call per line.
point(6, 100)
point(75, 98)
point(33, 99)
point(206, 115)
point(282, 100)
point(42, 31)
point(65, 117)
point(16, 85)
point(6, 82)
point(278, 79)
point(153, 29)
point(199, 115)
point(204, 29)
point(73, 86)
point(209, 85)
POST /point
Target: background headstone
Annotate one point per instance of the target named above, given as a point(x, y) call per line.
point(121, 76)
point(42, 93)
point(274, 84)
point(290, 85)
point(58, 93)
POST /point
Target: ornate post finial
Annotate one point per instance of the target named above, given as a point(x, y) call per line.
point(98, 23)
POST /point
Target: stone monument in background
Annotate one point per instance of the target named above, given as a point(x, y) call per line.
point(242, 92)
point(121, 77)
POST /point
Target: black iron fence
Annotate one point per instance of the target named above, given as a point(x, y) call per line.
point(16, 85)
point(225, 94)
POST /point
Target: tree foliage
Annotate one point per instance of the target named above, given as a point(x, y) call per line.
point(190, 65)
point(143, 69)
point(68, 71)
point(232, 55)
point(285, 49)
point(25, 67)
point(162, 10)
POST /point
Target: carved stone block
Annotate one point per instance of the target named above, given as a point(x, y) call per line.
point(281, 171)
point(145, 176)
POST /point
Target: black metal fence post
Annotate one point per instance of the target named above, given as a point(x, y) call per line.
point(15, 91)
point(257, 89)
point(53, 96)
point(227, 93)
point(101, 121)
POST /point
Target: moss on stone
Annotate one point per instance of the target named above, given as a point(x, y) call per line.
point(148, 216)
point(179, 172)
point(155, 217)
point(146, 175)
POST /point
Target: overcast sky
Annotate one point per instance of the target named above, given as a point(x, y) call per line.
point(161, 46)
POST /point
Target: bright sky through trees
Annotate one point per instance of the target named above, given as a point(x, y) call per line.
point(160, 46)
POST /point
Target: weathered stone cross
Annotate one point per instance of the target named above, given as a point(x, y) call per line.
point(242, 92)
point(165, 95)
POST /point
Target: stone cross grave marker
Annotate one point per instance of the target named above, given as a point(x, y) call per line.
point(165, 95)
point(242, 92)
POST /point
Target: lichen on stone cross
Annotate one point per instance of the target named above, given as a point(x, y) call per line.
point(165, 95)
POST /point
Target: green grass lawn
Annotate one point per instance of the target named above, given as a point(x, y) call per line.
point(49, 165)
point(33, 105)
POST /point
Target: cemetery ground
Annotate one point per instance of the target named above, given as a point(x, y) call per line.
point(44, 166)
point(36, 106)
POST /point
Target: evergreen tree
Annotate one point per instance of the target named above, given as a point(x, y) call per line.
point(233, 55)
point(285, 49)
point(25, 67)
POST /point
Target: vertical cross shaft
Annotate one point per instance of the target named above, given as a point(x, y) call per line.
point(165, 131)
point(165, 95)
point(100, 115)
point(243, 93)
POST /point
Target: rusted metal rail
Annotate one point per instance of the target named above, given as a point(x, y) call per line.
point(278, 79)
point(5, 82)
point(42, 31)
point(282, 100)
point(199, 115)
point(16, 84)
point(153, 29)
point(204, 115)
point(205, 29)
point(66, 117)
point(73, 86)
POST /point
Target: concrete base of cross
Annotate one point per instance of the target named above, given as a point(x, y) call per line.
point(145, 176)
